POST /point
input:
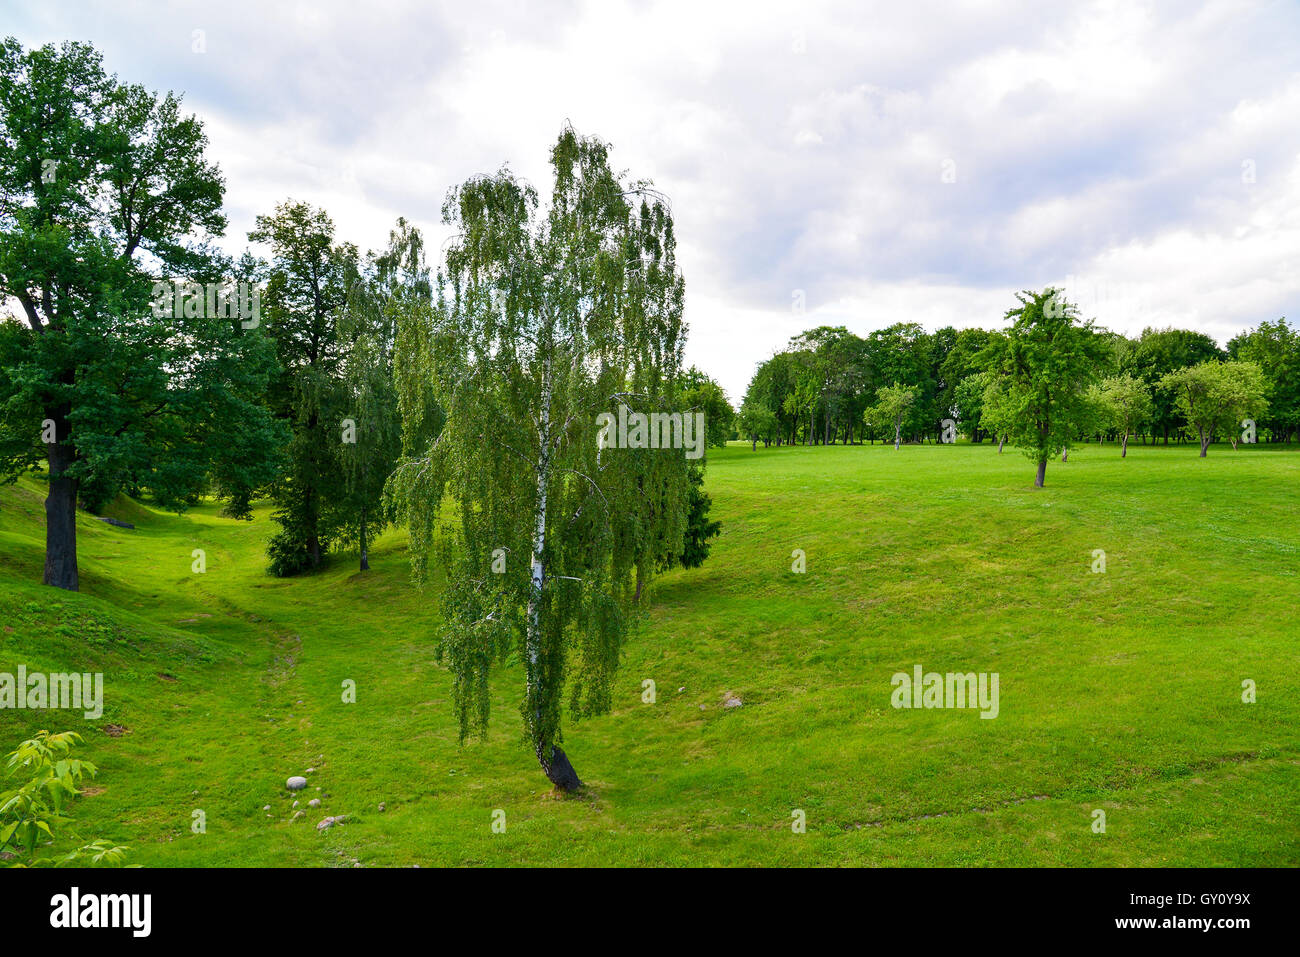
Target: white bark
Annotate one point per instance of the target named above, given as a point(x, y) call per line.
point(533, 641)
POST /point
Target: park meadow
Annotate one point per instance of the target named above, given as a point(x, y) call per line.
point(1121, 691)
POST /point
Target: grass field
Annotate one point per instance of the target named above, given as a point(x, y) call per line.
point(1118, 691)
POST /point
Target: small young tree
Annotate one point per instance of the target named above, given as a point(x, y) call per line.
point(1214, 397)
point(756, 421)
point(1124, 404)
point(892, 405)
point(1047, 363)
point(968, 401)
point(996, 411)
point(542, 323)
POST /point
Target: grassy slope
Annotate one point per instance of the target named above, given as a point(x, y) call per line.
point(1118, 691)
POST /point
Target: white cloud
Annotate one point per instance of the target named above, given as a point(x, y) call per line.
point(803, 145)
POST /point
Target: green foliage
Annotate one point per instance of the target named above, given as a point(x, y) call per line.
point(968, 404)
point(107, 189)
point(310, 278)
point(699, 529)
point(49, 778)
point(1275, 348)
point(1159, 352)
point(893, 404)
point(1047, 363)
point(1122, 403)
point(757, 421)
point(542, 322)
point(702, 394)
point(1214, 397)
point(396, 283)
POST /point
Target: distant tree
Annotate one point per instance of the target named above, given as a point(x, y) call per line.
point(968, 404)
point(699, 528)
point(1050, 359)
point(997, 413)
point(1213, 398)
point(396, 282)
point(806, 379)
point(756, 422)
point(769, 388)
point(902, 354)
point(702, 394)
point(961, 361)
point(541, 324)
point(1275, 348)
point(1125, 405)
point(106, 198)
point(1159, 352)
point(893, 402)
point(306, 293)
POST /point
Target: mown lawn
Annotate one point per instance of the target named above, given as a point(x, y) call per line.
point(1118, 691)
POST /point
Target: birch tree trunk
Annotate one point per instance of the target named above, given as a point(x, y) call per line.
point(552, 759)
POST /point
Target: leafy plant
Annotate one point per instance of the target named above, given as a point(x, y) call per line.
point(36, 806)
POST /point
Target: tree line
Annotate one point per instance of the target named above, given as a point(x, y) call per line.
point(1047, 373)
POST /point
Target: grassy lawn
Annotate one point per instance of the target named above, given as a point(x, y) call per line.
point(1118, 691)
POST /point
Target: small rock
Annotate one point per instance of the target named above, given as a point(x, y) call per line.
point(311, 770)
point(329, 822)
point(297, 814)
point(295, 803)
point(267, 808)
point(314, 802)
point(381, 805)
point(732, 702)
point(296, 783)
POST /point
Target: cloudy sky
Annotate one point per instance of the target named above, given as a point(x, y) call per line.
point(870, 162)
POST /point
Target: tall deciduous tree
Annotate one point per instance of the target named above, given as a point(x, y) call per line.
point(395, 282)
point(1049, 359)
point(543, 322)
point(105, 190)
point(310, 277)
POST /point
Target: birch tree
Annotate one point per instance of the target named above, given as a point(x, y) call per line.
point(543, 320)
point(892, 405)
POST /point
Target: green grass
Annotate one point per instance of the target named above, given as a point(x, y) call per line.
point(1119, 691)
